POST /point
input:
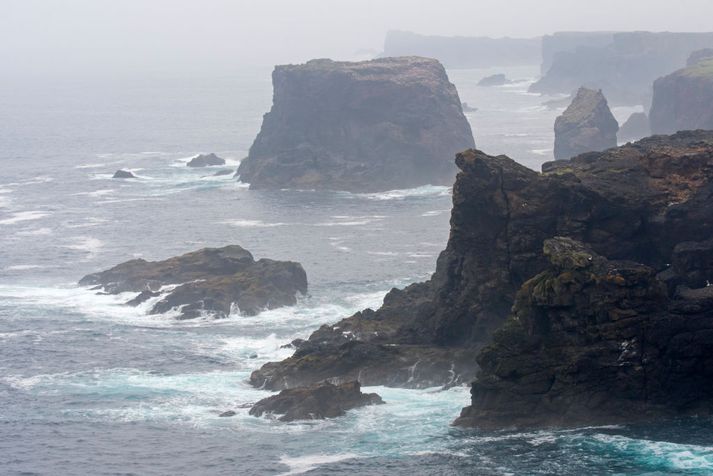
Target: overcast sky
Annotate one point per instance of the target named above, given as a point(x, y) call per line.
point(134, 36)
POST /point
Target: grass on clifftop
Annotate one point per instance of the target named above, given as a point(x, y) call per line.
point(703, 68)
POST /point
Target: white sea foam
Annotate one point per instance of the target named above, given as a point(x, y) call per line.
point(423, 191)
point(252, 223)
point(676, 456)
point(543, 152)
point(88, 244)
point(303, 464)
point(19, 217)
point(24, 267)
point(35, 232)
point(434, 213)
point(96, 193)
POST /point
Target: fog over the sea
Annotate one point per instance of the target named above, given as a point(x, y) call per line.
point(142, 36)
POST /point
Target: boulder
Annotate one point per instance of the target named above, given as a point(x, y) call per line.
point(635, 128)
point(316, 402)
point(123, 174)
point(494, 80)
point(205, 160)
point(367, 126)
point(683, 100)
point(212, 281)
point(586, 125)
point(594, 341)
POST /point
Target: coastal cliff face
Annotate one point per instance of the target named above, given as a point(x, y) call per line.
point(368, 126)
point(635, 202)
point(586, 125)
point(683, 100)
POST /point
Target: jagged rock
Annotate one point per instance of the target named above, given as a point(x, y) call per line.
point(211, 280)
point(698, 55)
point(204, 160)
point(683, 100)
point(635, 202)
point(316, 402)
point(123, 174)
point(635, 128)
point(366, 126)
point(593, 341)
point(494, 80)
point(586, 125)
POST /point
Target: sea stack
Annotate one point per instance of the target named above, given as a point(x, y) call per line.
point(367, 126)
point(205, 160)
point(683, 100)
point(635, 128)
point(587, 125)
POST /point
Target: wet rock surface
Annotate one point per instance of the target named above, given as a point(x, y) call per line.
point(586, 125)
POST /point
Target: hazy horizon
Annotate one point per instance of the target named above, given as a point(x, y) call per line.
point(95, 37)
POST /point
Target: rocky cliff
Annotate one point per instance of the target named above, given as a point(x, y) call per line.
point(367, 126)
point(635, 202)
point(683, 100)
point(586, 125)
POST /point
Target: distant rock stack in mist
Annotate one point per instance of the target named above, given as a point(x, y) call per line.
point(365, 126)
point(635, 128)
point(587, 125)
point(683, 100)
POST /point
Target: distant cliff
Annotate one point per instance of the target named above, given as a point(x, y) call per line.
point(366, 126)
point(624, 68)
point(683, 100)
point(464, 52)
point(587, 125)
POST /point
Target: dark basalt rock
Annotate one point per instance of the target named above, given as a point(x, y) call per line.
point(367, 126)
point(593, 341)
point(205, 160)
point(211, 280)
point(636, 202)
point(635, 128)
point(586, 125)
point(123, 174)
point(684, 100)
point(316, 402)
point(494, 80)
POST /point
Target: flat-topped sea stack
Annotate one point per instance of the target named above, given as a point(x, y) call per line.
point(587, 125)
point(643, 208)
point(211, 281)
point(683, 100)
point(367, 126)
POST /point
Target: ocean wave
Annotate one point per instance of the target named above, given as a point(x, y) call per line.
point(402, 194)
point(88, 244)
point(251, 223)
point(303, 464)
point(19, 217)
point(543, 152)
point(35, 232)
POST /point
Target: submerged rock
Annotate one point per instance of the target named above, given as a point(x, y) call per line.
point(220, 173)
point(123, 174)
point(494, 80)
point(316, 402)
point(636, 202)
point(635, 128)
point(683, 100)
point(593, 341)
point(586, 125)
point(204, 160)
point(367, 126)
point(227, 414)
point(211, 280)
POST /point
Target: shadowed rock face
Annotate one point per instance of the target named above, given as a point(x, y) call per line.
point(635, 128)
point(316, 402)
point(211, 280)
point(368, 126)
point(636, 202)
point(587, 125)
point(595, 341)
point(204, 160)
point(684, 100)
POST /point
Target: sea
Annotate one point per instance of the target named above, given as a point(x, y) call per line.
point(89, 386)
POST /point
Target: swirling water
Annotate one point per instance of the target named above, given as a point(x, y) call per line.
point(89, 386)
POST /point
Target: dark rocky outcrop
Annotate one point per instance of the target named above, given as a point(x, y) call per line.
point(586, 125)
point(464, 52)
point(494, 80)
point(205, 160)
point(622, 65)
point(316, 402)
point(211, 280)
point(635, 128)
point(123, 174)
point(593, 341)
point(636, 202)
point(366, 126)
point(683, 100)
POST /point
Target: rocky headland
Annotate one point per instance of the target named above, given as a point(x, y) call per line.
point(366, 126)
point(214, 281)
point(586, 125)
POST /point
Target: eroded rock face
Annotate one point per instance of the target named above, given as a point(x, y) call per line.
point(587, 125)
point(367, 126)
point(635, 128)
point(684, 100)
point(204, 160)
point(316, 402)
point(636, 202)
point(594, 341)
point(211, 280)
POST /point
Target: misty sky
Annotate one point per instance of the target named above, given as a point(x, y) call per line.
point(134, 36)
